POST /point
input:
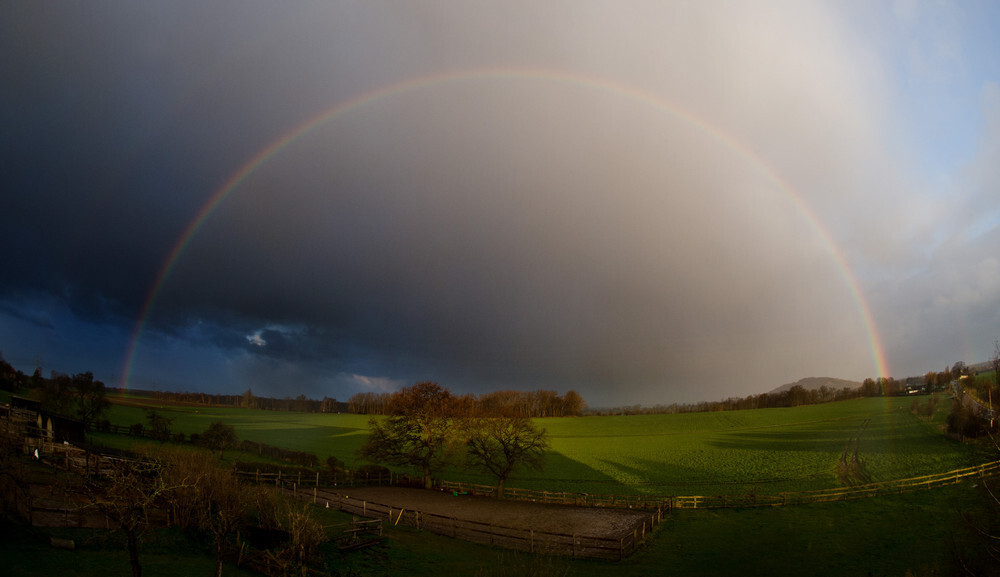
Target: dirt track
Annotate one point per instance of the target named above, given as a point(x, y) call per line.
point(595, 522)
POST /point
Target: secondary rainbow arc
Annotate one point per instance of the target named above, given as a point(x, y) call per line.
point(261, 157)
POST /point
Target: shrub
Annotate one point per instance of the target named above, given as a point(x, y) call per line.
point(961, 421)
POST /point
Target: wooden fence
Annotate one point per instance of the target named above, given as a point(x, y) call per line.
point(575, 545)
point(562, 497)
point(302, 479)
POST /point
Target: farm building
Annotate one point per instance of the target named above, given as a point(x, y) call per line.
point(49, 425)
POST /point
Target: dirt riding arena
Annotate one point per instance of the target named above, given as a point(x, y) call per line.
point(578, 531)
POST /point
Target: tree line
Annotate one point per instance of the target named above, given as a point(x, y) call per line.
point(248, 400)
point(798, 395)
point(505, 403)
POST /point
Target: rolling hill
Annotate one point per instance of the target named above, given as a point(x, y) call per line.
point(814, 383)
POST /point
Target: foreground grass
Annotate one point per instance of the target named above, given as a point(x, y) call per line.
point(165, 553)
point(921, 533)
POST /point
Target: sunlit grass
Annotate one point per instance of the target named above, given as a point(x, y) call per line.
point(761, 451)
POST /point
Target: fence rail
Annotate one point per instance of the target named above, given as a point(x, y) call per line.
point(304, 479)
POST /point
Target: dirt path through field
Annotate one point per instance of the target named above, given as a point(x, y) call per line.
point(595, 522)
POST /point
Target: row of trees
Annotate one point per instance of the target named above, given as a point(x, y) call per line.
point(248, 400)
point(427, 430)
point(793, 397)
point(493, 404)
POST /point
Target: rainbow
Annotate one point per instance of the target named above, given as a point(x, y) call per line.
point(409, 85)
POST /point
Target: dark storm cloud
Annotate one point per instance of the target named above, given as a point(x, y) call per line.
point(28, 314)
point(489, 231)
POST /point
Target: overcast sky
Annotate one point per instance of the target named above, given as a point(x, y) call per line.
point(645, 202)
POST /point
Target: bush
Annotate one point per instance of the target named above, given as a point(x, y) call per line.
point(136, 430)
point(300, 458)
point(961, 421)
point(334, 464)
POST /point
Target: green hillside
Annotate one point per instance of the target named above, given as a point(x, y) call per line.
point(762, 451)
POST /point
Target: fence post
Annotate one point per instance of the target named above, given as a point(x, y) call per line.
point(314, 495)
point(621, 549)
point(574, 544)
point(531, 540)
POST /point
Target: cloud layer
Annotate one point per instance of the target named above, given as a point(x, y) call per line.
point(645, 203)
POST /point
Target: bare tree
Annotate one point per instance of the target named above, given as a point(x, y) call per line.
point(126, 497)
point(225, 503)
point(501, 445)
point(418, 434)
point(305, 535)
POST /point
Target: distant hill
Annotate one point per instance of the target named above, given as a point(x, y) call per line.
point(814, 383)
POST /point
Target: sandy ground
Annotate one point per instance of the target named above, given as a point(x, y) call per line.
point(596, 522)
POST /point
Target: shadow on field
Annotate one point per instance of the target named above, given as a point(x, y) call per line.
point(564, 474)
point(646, 472)
point(899, 435)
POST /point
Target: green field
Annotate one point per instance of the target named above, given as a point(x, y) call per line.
point(923, 533)
point(764, 451)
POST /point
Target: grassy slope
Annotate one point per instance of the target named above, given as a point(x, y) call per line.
point(765, 451)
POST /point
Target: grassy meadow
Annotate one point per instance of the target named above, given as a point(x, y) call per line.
point(764, 451)
point(924, 533)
